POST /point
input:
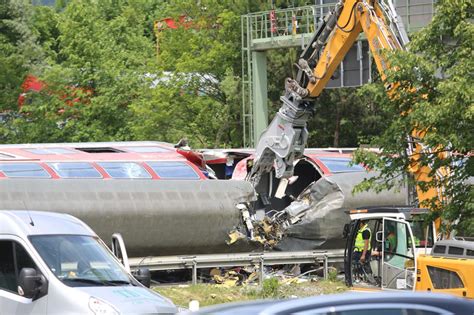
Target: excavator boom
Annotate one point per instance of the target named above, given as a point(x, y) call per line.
point(285, 138)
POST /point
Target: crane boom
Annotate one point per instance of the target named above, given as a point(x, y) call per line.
point(285, 138)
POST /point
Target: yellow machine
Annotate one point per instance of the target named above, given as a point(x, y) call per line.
point(448, 269)
point(400, 265)
point(403, 254)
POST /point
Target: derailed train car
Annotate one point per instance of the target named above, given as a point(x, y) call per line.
point(157, 197)
point(163, 203)
point(309, 213)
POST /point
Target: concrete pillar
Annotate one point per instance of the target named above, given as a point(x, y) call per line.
point(260, 108)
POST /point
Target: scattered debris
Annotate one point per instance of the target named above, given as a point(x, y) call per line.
point(285, 274)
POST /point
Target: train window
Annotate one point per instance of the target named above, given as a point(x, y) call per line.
point(147, 149)
point(4, 156)
point(124, 170)
point(75, 170)
point(100, 150)
point(173, 170)
point(46, 151)
point(340, 165)
point(24, 170)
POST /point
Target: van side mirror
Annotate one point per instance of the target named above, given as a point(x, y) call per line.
point(345, 232)
point(30, 283)
point(379, 236)
point(143, 275)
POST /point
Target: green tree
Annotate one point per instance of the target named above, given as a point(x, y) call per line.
point(20, 52)
point(198, 95)
point(97, 72)
point(439, 67)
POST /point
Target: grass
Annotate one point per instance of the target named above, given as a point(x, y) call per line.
point(209, 294)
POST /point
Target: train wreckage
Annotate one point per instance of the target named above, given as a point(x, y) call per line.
point(163, 202)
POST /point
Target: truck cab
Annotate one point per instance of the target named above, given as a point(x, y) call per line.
point(53, 263)
point(397, 236)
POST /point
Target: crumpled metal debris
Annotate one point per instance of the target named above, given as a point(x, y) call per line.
point(229, 278)
point(234, 236)
point(312, 205)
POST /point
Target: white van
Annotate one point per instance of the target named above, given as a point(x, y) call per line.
point(53, 263)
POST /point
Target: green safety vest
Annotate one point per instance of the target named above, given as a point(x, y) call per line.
point(359, 243)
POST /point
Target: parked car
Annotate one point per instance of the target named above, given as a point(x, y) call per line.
point(386, 303)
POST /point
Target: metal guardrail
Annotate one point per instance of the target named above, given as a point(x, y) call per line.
point(195, 262)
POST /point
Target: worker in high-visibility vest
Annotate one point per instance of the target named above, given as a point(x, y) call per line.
point(361, 246)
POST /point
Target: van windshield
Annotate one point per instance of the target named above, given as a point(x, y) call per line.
point(79, 260)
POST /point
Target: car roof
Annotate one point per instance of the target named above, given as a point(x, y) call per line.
point(24, 223)
point(445, 302)
point(407, 212)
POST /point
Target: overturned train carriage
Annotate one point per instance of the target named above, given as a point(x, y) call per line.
point(134, 189)
point(155, 218)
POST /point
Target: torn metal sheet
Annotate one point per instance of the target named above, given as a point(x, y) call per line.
point(315, 219)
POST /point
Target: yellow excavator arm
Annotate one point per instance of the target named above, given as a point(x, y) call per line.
point(356, 17)
point(285, 138)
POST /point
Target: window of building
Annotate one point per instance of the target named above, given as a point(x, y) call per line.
point(146, 149)
point(75, 170)
point(173, 170)
point(444, 279)
point(50, 151)
point(340, 165)
point(19, 170)
point(13, 258)
point(124, 170)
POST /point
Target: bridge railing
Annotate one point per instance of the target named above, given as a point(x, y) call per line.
point(304, 20)
point(286, 22)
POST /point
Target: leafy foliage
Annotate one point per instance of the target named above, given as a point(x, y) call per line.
point(110, 76)
point(198, 90)
point(20, 52)
point(439, 67)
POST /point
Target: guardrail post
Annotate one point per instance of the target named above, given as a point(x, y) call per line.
point(194, 279)
point(325, 267)
point(262, 274)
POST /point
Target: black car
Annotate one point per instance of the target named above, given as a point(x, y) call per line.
point(384, 303)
